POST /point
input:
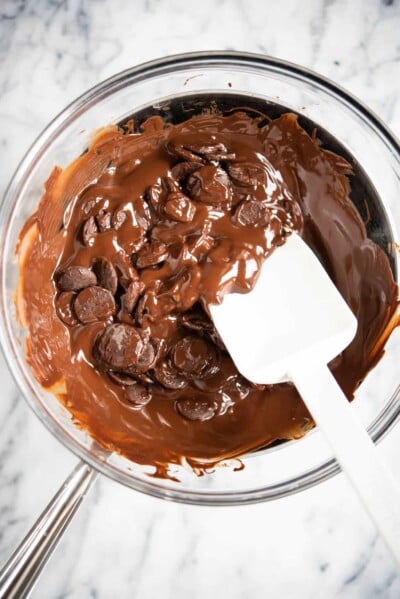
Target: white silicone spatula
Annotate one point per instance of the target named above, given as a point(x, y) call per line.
point(288, 328)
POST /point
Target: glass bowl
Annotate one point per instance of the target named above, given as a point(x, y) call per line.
point(288, 467)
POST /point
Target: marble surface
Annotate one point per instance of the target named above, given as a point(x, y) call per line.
point(318, 544)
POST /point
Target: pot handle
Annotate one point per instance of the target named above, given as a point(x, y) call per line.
point(21, 571)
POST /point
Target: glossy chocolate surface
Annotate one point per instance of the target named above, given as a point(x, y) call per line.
point(133, 239)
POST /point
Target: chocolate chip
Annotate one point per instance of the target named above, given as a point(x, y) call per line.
point(103, 220)
point(93, 304)
point(251, 212)
point(125, 271)
point(119, 347)
point(151, 254)
point(210, 185)
point(238, 386)
point(64, 308)
point(144, 378)
point(89, 231)
point(88, 206)
point(196, 320)
point(130, 298)
point(171, 184)
point(154, 194)
point(246, 173)
point(122, 379)
point(179, 207)
point(200, 245)
point(136, 244)
point(168, 376)
point(143, 214)
point(142, 310)
point(183, 169)
point(194, 356)
point(147, 358)
point(118, 219)
point(75, 278)
point(180, 151)
point(196, 152)
point(183, 289)
point(197, 409)
point(106, 274)
point(138, 395)
point(212, 151)
point(213, 382)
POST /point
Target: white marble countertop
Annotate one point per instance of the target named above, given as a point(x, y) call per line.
point(318, 544)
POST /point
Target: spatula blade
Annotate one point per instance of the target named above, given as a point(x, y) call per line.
point(294, 314)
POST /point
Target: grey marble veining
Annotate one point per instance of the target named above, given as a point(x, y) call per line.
point(316, 545)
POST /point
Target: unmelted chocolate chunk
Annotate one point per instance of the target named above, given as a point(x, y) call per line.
point(103, 220)
point(144, 378)
point(154, 194)
point(137, 395)
point(75, 278)
point(183, 169)
point(126, 272)
point(180, 151)
point(197, 409)
point(196, 151)
point(179, 207)
point(246, 174)
point(88, 205)
point(196, 320)
point(210, 185)
point(211, 151)
point(251, 212)
point(143, 214)
point(64, 307)
point(194, 356)
point(142, 310)
point(118, 219)
point(169, 377)
point(119, 347)
point(171, 184)
point(93, 304)
point(200, 245)
point(183, 291)
point(147, 358)
point(237, 386)
point(106, 274)
point(152, 254)
point(89, 231)
point(125, 380)
point(130, 298)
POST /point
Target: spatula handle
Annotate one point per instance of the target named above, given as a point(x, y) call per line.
point(354, 450)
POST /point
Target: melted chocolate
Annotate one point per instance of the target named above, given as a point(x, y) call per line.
point(133, 240)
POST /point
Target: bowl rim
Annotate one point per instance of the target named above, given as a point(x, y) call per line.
point(141, 72)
